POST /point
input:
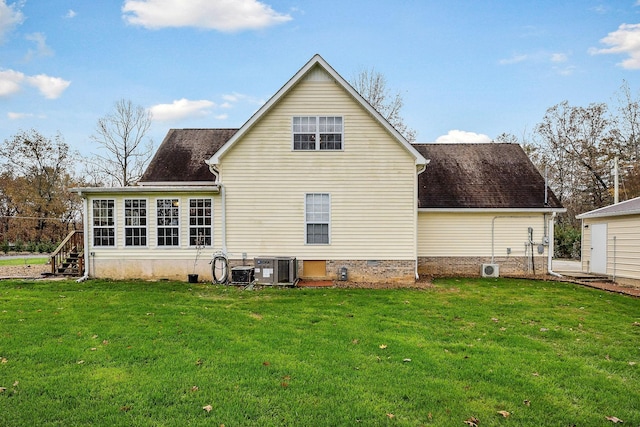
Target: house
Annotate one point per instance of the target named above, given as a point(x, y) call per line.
point(317, 174)
point(611, 241)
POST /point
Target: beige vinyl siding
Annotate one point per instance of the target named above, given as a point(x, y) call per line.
point(451, 234)
point(371, 183)
point(623, 254)
point(152, 250)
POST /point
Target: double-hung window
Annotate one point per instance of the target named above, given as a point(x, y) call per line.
point(200, 221)
point(317, 218)
point(168, 222)
point(104, 230)
point(135, 222)
point(317, 132)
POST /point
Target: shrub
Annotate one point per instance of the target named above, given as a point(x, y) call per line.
point(567, 240)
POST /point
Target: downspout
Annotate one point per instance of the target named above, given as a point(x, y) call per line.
point(85, 237)
point(223, 207)
point(550, 247)
point(421, 169)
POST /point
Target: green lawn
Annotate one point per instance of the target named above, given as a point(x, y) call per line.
point(156, 354)
point(24, 261)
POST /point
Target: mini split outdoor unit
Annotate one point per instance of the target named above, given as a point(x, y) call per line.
point(490, 270)
point(276, 270)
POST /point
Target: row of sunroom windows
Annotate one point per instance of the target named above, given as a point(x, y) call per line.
point(167, 222)
point(317, 221)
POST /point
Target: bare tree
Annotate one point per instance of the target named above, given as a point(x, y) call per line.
point(122, 137)
point(34, 186)
point(372, 86)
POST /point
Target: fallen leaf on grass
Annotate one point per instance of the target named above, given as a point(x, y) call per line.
point(93, 349)
point(355, 341)
point(504, 413)
point(3, 389)
point(195, 388)
point(125, 408)
point(535, 374)
point(284, 384)
point(632, 363)
point(615, 420)
point(544, 329)
point(94, 337)
point(494, 319)
point(406, 360)
point(207, 408)
point(527, 403)
point(266, 363)
point(80, 362)
point(105, 342)
point(472, 422)
point(383, 346)
point(636, 323)
point(15, 384)
point(3, 360)
point(390, 416)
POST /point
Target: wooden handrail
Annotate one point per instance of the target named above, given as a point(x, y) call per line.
point(73, 243)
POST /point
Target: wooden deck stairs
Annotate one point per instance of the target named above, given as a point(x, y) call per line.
point(68, 258)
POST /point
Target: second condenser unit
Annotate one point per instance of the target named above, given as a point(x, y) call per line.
point(276, 270)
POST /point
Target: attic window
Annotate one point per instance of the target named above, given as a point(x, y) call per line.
point(317, 133)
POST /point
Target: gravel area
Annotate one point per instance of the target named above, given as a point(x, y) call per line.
point(24, 271)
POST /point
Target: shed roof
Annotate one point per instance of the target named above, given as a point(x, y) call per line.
point(486, 176)
point(181, 156)
point(629, 207)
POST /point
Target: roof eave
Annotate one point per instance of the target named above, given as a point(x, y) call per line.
point(493, 210)
point(81, 191)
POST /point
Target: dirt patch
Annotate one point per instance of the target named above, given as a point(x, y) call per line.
point(24, 271)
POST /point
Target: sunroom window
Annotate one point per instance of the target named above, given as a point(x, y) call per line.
point(317, 133)
point(104, 230)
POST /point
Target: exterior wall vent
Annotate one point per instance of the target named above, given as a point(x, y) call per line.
point(490, 270)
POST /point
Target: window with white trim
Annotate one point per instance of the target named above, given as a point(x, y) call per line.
point(317, 132)
point(104, 226)
point(317, 218)
point(135, 222)
point(168, 222)
point(200, 222)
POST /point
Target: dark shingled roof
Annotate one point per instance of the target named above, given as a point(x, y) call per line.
point(493, 175)
point(181, 156)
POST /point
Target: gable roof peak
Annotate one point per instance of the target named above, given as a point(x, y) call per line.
point(316, 60)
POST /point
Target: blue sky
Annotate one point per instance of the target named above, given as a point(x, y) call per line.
point(467, 69)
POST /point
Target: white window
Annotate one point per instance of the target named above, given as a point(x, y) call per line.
point(168, 222)
point(135, 222)
point(104, 230)
point(200, 221)
point(317, 218)
point(317, 133)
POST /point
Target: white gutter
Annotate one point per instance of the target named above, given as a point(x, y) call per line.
point(421, 168)
point(85, 237)
point(550, 247)
point(223, 197)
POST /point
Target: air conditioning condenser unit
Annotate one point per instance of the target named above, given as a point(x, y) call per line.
point(490, 270)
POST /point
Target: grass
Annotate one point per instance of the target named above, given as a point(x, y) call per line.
point(155, 354)
point(24, 261)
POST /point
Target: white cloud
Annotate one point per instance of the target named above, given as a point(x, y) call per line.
point(10, 82)
point(50, 87)
point(463, 137)
point(41, 46)
point(70, 14)
point(18, 116)
point(221, 15)
point(10, 16)
point(236, 97)
point(559, 57)
point(180, 109)
point(626, 39)
point(221, 117)
point(514, 59)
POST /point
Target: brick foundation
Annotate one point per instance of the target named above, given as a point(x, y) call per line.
point(471, 266)
point(371, 271)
